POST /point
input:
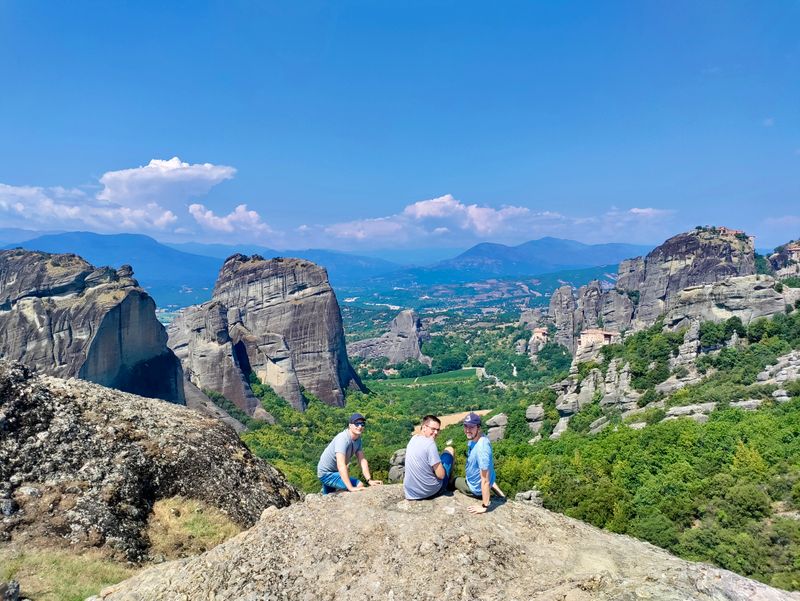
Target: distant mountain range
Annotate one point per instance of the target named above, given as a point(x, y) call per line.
point(184, 274)
point(545, 255)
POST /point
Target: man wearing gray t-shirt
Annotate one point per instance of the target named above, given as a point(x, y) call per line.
point(332, 468)
point(427, 472)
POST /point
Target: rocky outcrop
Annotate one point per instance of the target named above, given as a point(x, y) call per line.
point(786, 369)
point(402, 342)
point(747, 297)
point(81, 465)
point(276, 318)
point(496, 427)
point(562, 312)
point(785, 261)
point(291, 554)
point(686, 277)
point(701, 256)
point(64, 317)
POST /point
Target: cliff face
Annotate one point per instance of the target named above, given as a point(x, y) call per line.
point(707, 259)
point(396, 549)
point(278, 318)
point(81, 465)
point(64, 317)
point(701, 256)
point(403, 341)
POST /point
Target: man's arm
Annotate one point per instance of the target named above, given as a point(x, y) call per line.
point(362, 460)
point(486, 494)
point(438, 469)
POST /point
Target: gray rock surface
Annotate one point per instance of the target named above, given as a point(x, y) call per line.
point(515, 552)
point(746, 297)
point(403, 341)
point(785, 369)
point(64, 317)
point(562, 312)
point(81, 465)
point(696, 257)
point(277, 318)
point(9, 591)
point(654, 285)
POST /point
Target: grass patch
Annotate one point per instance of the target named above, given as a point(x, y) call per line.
point(459, 375)
point(60, 575)
point(181, 527)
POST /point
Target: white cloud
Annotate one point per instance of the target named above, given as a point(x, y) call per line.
point(445, 219)
point(31, 206)
point(145, 199)
point(650, 213)
point(481, 220)
point(240, 219)
point(163, 182)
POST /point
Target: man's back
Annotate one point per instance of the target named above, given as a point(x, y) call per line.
point(421, 455)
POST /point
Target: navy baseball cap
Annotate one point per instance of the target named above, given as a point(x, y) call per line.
point(473, 419)
point(357, 417)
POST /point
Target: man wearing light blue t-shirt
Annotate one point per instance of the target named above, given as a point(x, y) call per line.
point(479, 471)
point(427, 473)
point(332, 468)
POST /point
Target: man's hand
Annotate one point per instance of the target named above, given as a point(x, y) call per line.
point(358, 489)
point(374, 482)
point(477, 509)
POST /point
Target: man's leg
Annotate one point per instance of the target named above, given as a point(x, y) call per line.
point(463, 487)
point(332, 482)
point(448, 460)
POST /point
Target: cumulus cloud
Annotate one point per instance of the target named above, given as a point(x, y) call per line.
point(480, 220)
point(446, 219)
point(163, 182)
point(149, 199)
point(239, 219)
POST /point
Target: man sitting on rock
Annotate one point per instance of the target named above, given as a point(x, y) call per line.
point(332, 468)
point(427, 472)
point(480, 476)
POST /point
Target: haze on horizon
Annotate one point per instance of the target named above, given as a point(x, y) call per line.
point(360, 126)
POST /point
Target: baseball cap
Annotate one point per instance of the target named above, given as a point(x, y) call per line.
point(473, 419)
point(357, 417)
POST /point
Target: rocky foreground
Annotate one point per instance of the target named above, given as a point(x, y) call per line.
point(82, 465)
point(376, 545)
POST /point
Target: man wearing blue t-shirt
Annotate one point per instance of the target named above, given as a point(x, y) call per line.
point(479, 471)
point(332, 468)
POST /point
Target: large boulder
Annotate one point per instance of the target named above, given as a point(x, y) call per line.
point(276, 318)
point(515, 551)
point(402, 342)
point(81, 465)
point(67, 318)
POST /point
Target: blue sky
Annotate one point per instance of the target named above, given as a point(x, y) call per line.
point(365, 125)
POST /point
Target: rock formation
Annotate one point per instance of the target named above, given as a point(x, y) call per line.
point(276, 318)
point(747, 297)
point(707, 273)
point(64, 317)
point(786, 259)
point(81, 465)
point(391, 552)
point(403, 341)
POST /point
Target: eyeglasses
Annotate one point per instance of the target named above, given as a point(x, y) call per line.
point(360, 424)
point(432, 428)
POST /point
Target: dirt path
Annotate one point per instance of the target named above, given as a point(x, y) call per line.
point(454, 418)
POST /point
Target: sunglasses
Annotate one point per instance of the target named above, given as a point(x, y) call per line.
point(360, 424)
